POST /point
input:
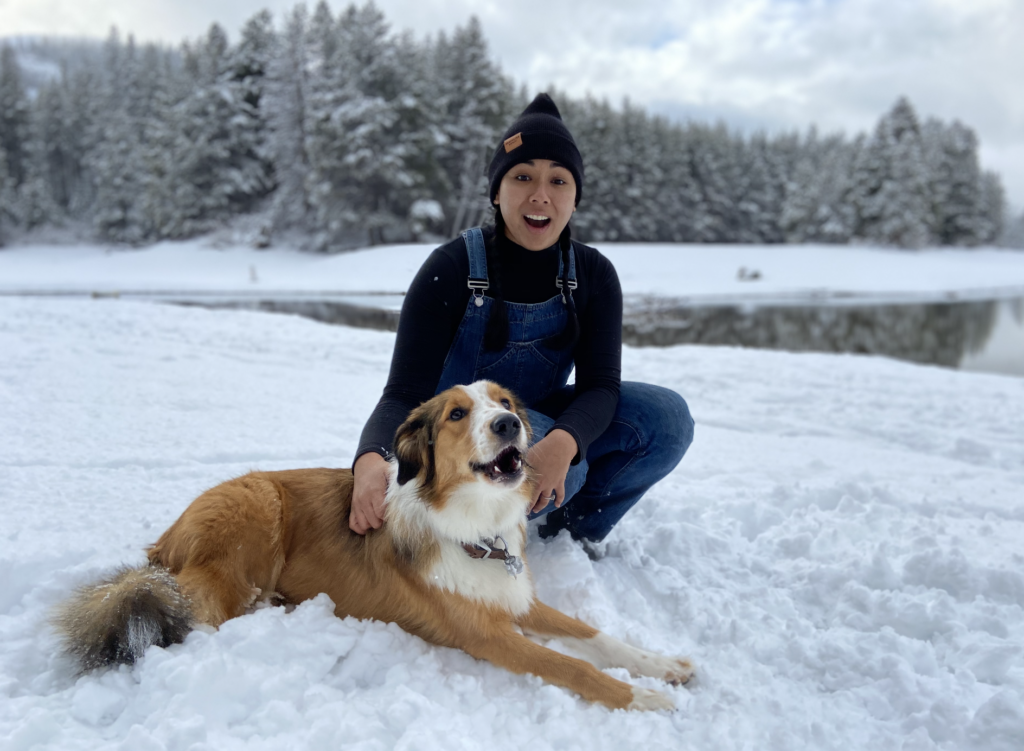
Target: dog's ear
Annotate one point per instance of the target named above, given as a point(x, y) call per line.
point(409, 449)
point(414, 444)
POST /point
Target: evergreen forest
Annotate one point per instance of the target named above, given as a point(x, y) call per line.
point(335, 129)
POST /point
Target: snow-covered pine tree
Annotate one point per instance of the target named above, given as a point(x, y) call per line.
point(714, 164)
point(7, 199)
point(759, 193)
point(471, 104)
point(116, 161)
point(890, 183)
point(592, 124)
point(14, 115)
point(993, 208)
point(210, 139)
point(284, 104)
point(951, 153)
point(368, 136)
point(816, 208)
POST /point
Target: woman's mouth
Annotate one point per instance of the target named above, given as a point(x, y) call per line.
point(536, 221)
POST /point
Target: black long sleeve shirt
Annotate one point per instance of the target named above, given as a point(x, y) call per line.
point(433, 309)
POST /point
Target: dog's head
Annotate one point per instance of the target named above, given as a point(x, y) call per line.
point(466, 449)
point(466, 433)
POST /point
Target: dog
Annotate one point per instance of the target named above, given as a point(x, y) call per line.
point(448, 564)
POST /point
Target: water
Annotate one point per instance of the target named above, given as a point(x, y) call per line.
point(978, 335)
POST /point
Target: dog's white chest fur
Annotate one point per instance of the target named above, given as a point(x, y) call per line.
point(483, 579)
point(476, 511)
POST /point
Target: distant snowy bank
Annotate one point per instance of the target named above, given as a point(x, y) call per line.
point(697, 272)
point(839, 552)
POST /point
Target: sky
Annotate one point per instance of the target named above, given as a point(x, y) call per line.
point(755, 64)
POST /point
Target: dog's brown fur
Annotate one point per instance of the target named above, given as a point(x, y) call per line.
point(285, 536)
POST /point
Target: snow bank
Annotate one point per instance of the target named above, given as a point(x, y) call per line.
point(695, 271)
point(839, 552)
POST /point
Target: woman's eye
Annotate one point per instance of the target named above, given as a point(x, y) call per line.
point(506, 404)
point(522, 178)
point(457, 414)
point(558, 181)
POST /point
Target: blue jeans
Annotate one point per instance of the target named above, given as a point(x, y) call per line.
point(648, 435)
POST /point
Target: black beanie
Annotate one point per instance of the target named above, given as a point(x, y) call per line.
point(539, 133)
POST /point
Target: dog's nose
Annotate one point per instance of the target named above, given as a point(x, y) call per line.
point(507, 426)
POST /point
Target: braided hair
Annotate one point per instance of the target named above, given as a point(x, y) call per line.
point(496, 334)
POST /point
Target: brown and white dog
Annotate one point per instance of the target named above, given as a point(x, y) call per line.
point(448, 564)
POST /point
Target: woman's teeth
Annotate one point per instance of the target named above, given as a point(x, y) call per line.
point(536, 220)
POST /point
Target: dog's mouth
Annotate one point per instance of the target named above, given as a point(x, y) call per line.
point(506, 466)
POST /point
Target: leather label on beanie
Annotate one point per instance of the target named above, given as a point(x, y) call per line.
point(513, 142)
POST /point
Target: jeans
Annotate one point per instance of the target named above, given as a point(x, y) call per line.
point(647, 437)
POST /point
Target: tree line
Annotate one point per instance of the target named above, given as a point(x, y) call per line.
point(334, 128)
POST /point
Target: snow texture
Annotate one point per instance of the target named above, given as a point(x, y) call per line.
point(697, 272)
point(839, 552)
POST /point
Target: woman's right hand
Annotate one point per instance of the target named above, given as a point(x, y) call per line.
point(371, 485)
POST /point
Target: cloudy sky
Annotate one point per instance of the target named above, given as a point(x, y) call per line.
point(772, 64)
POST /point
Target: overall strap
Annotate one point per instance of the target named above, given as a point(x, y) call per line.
point(474, 239)
point(572, 268)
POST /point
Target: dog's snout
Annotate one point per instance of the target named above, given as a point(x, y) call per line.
point(507, 426)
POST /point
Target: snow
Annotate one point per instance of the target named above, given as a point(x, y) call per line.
point(839, 552)
point(698, 272)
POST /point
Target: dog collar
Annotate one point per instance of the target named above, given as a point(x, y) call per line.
point(485, 549)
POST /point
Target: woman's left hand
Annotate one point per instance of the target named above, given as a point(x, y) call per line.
point(550, 458)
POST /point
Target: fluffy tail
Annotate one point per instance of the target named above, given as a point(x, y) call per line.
point(115, 620)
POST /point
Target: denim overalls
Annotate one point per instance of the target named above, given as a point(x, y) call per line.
point(649, 433)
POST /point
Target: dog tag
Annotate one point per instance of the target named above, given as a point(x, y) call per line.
point(513, 565)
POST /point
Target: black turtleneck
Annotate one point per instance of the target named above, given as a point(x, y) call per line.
point(432, 312)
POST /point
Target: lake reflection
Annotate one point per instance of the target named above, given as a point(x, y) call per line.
point(983, 335)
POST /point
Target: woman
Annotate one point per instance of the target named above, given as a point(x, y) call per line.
point(521, 304)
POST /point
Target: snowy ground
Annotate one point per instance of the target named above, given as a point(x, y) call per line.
point(698, 272)
point(839, 552)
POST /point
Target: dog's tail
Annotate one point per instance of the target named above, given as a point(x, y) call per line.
point(115, 620)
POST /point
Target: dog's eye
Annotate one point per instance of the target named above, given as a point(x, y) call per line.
point(457, 414)
point(506, 404)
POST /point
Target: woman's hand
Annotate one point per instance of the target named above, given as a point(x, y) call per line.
point(371, 485)
point(550, 457)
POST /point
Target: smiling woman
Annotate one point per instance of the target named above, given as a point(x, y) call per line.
point(522, 304)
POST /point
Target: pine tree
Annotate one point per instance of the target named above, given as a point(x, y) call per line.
point(816, 208)
point(284, 102)
point(7, 199)
point(473, 102)
point(14, 115)
point(890, 188)
point(212, 136)
point(993, 208)
point(955, 181)
point(115, 162)
point(367, 137)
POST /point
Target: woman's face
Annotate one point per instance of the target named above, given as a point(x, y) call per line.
point(537, 199)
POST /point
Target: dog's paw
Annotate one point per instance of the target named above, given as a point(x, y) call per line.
point(674, 670)
point(647, 699)
point(679, 671)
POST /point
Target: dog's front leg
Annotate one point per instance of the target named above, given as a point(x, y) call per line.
point(520, 655)
point(601, 649)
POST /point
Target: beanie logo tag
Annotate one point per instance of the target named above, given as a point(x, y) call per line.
point(513, 142)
